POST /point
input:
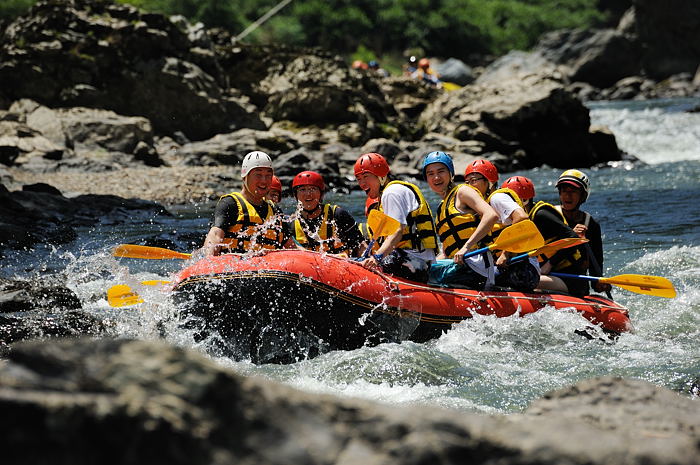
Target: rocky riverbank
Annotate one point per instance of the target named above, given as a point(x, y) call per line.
point(119, 401)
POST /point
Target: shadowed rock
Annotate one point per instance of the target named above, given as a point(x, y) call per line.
point(119, 401)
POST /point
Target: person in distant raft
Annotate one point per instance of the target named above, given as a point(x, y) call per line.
point(482, 174)
point(409, 251)
point(246, 221)
point(574, 188)
point(275, 194)
point(323, 227)
point(553, 226)
point(463, 220)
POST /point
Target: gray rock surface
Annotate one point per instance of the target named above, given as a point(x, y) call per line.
point(120, 401)
point(40, 309)
point(526, 114)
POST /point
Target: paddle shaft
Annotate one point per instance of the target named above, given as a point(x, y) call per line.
point(550, 248)
point(620, 281)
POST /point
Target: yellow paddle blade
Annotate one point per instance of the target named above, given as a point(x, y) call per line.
point(450, 86)
point(643, 284)
point(155, 282)
point(519, 237)
point(553, 247)
point(142, 251)
point(381, 224)
point(122, 295)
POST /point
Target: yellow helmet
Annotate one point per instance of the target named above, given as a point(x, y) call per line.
point(578, 179)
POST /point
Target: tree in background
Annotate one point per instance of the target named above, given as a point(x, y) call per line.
point(10, 9)
point(457, 28)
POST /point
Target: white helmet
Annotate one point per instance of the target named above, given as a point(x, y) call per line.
point(256, 159)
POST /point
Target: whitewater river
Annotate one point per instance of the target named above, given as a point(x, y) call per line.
point(651, 225)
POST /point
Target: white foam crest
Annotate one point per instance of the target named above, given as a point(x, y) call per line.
point(653, 135)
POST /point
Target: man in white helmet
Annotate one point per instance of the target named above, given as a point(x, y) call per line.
point(574, 188)
point(247, 221)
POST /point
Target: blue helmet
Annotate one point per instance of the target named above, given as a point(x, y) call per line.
point(439, 157)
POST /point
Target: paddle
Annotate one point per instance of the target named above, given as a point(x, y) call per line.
point(551, 248)
point(380, 225)
point(122, 295)
point(142, 251)
point(638, 283)
point(516, 238)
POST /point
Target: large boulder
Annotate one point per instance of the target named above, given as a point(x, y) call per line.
point(654, 39)
point(528, 117)
point(598, 57)
point(105, 55)
point(119, 401)
point(668, 33)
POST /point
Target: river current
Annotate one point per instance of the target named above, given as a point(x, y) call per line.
point(486, 364)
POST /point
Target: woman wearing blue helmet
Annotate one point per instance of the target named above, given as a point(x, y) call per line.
point(464, 218)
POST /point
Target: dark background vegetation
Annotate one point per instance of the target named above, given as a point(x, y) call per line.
point(388, 29)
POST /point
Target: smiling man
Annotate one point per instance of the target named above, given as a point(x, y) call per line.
point(323, 227)
point(246, 221)
point(409, 251)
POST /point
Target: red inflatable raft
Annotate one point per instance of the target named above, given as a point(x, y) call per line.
point(291, 304)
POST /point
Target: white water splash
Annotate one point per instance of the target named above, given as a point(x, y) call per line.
point(653, 135)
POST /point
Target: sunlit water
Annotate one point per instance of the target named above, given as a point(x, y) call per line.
point(651, 226)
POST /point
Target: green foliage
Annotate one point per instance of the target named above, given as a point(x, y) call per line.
point(10, 9)
point(368, 29)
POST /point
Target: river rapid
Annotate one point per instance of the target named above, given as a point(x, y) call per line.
point(485, 364)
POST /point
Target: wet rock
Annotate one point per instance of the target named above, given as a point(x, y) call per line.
point(171, 405)
point(34, 309)
point(41, 214)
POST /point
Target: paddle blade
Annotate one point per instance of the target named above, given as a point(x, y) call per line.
point(122, 295)
point(381, 224)
point(149, 253)
point(643, 284)
point(519, 237)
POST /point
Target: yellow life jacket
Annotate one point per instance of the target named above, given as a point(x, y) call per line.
point(574, 255)
point(419, 232)
point(453, 226)
point(498, 227)
point(326, 239)
point(250, 231)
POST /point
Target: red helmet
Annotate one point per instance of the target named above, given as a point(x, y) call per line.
point(424, 63)
point(372, 163)
point(484, 168)
point(521, 186)
point(370, 204)
point(276, 184)
point(309, 178)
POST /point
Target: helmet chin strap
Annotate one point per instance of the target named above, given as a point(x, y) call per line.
point(247, 189)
